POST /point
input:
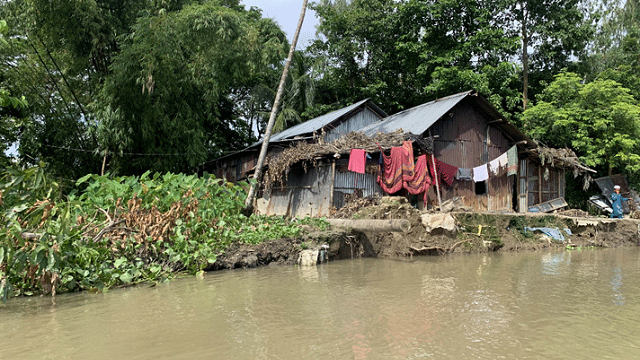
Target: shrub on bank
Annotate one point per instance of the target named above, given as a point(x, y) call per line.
point(123, 230)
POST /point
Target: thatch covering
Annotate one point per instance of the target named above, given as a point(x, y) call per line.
point(564, 158)
point(305, 152)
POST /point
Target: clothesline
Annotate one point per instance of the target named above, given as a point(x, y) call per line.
point(398, 170)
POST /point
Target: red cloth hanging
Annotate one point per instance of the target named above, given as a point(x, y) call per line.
point(390, 179)
point(421, 180)
point(357, 160)
point(445, 172)
point(408, 167)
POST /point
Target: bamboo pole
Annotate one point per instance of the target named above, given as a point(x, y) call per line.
point(435, 172)
point(272, 118)
point(104, 161)
point(333, 181)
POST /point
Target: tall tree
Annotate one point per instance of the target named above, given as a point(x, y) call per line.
point(172, 86)
point(552, 32)
point(403, 53)
point(272, 118)
point(9, 110)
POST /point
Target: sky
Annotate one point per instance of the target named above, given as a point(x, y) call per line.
point(286, 13)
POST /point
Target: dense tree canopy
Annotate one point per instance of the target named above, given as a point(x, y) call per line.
point(176, 74)
point(171, 84)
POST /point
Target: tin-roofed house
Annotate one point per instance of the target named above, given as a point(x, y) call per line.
point(238, 165)
point(468, 132)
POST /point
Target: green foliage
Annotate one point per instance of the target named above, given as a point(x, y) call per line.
point(8, 106)
point(172, 85)
point(123, 230)
point(145, 80)
point(600, 120)
point(402, 54)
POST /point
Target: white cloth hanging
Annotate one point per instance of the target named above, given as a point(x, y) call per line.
point(494, 166)
point(480, 173)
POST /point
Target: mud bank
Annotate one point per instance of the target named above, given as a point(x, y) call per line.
point(437, 234)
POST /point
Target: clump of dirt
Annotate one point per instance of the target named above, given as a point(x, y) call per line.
point(573, 213)
point(353, 206)
point(342, 245)
point(635, 214)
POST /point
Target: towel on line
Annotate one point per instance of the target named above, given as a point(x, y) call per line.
point(480, 173)
point(512, 156)
point(357, 160)
point(408, 167)
point(421, 180)
point(390, 177)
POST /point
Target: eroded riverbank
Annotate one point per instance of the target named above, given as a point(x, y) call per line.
point(434, 233)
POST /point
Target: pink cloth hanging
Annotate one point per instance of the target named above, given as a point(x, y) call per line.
point(357, 160)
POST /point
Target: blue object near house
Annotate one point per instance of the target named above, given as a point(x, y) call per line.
point(555, 234)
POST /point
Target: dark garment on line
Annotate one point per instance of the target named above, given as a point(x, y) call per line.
point(464, 174)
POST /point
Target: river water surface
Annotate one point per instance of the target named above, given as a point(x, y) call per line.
point(541, 305)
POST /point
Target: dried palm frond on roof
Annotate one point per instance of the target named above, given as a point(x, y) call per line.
point(304, 152)
point(564, 158)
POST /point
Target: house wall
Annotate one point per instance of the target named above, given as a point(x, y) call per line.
point(347, 182)
point(541, 188)
point(467, 140)
point(355, 122)
point(309, 193)
point(235, 168)
point(304, 194)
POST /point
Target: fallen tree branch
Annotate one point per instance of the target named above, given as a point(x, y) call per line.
point(456, 245)
point(109, 227)
point(443, 250)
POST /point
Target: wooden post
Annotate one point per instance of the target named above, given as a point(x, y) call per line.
point(248, 203)
point(539, 185)
point(333, 182)
point(435, 172)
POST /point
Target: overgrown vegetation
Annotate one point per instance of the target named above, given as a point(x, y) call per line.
point(122, 230)
point(479, 228)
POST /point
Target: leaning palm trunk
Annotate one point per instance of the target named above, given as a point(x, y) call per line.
point(274, 110)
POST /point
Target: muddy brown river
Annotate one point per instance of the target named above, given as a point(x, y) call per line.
point(538, 305)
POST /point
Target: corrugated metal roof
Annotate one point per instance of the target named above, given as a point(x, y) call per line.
point(417, 119)
point(315, 123)
point(312, 125)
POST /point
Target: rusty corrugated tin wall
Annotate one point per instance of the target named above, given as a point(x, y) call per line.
point(462, 133)
point(304, 194)
point(347, 182)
